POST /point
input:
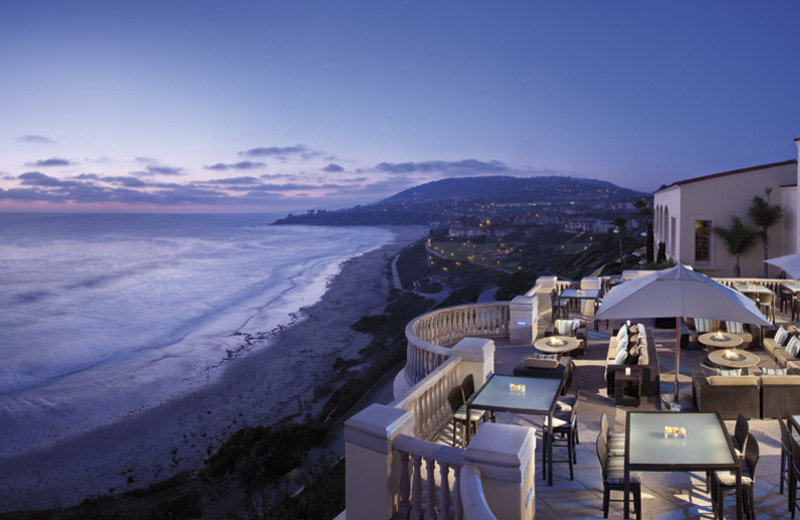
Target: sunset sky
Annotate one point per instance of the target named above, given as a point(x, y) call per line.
point(291, 105)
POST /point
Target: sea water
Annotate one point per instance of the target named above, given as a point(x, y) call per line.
point(104, 315)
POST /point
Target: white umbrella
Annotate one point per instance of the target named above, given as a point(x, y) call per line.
point(789, 263)
point(678, 292)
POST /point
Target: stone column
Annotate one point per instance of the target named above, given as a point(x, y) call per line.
point(524, 319)
point(504, 457)
point(591, 282)
point(373, 468)
point(477, 358)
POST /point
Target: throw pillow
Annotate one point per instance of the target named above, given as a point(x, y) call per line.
point(641, 331)
point(734, 327)
point(702, 324)
point(623, 331)
point(793, 346)
point(729, 371)
point(781, 335)
point(773, 371)
point(539, 355)
point(622, 355)
point(622, 345)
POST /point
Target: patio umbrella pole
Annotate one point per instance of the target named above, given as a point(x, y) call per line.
point(677, 354)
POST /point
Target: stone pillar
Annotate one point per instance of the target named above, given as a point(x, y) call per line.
point(477, 358)
point(545, 284)
point(504, 457)
point(523, 324)
point(591, 282)
point(373, 469)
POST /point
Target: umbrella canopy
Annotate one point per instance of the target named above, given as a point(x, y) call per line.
point(789, 263)
point(675, 293)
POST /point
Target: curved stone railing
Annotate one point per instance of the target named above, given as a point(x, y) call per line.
point(431, 335)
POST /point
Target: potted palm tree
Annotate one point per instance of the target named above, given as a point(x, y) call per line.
point(739, 240)
point(765, 215)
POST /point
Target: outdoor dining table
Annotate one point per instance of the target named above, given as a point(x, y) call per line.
point(520, 394)
point(706, 446)
point(580, 294)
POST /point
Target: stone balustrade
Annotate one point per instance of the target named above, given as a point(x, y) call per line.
point(431, 335)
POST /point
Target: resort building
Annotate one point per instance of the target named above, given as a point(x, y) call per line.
point(686, 212)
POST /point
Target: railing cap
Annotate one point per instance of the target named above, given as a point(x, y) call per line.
point(376, 426)
point(502, 451)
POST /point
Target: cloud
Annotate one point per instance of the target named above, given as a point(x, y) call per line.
point(40, 179)
point(283, 152)
point(464, 167)
point(242, 165)
point(233, 180)
point(153, 169)
point(333, 168)
point(35, 139)
point(53, 161)
point(145, 160)
point(126, 181)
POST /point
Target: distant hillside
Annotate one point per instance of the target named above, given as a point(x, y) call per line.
point(444, 199)
point(513, 189)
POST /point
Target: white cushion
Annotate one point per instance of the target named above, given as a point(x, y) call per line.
point(734, 327)
point(642, 333)
point(793, 346)
point(702, 324)
point(729, 371)
point(623, 332)
point(622, 355)
point(567, 327)
point(622, 344)
point(773, 371)
point(781, 335)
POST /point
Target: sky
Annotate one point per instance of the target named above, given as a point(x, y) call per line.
point(290, 105)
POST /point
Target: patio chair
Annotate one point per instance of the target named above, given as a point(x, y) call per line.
point(567, 403)
point(741, 432)
point(565, 428)
point(560, 308)
point(467, 389)
point(787, 474)
point(613, 468)
point(459, 418)
point(767, 305)
point(725, 481)
point(615, 441)
point(795, 462)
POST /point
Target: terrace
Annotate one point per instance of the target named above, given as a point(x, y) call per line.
point(399, 455)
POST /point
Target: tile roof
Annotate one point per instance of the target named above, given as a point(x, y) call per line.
point(732, 172)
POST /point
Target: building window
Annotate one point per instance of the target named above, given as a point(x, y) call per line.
point(702, 241)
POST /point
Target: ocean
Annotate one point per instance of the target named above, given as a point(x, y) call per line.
point(103, 315)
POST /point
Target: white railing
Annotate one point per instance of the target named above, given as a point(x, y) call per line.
point(424, 491)
point(773, 284)
point(431, 335)
point(428, 399)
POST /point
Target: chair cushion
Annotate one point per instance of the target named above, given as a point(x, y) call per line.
point(734, 327)
point(773, 371)
point(616, 471)
point(728, 371)
point(541, 363)
point(702, 324)
point(616, 444)
point(567, 327)
point(733, 380)
point(728, 478)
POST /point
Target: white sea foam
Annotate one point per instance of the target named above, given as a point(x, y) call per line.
point(103, 315)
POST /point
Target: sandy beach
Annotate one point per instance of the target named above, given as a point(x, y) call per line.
point(274, 377)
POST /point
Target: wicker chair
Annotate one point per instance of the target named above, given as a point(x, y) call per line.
point(725, 481)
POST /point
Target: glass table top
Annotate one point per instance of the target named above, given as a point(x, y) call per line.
point(516, 393)
point(706, 441)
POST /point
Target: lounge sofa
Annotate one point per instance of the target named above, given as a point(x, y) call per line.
point(643, 355)
point(728, 395)
point(763, 395)
point(777, 347)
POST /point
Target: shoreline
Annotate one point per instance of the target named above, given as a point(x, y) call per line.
point(273, 379)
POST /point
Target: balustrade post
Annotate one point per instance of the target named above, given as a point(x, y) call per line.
point(477, 355)
point(503, 455)
point(524, 319)
point(373, 466)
